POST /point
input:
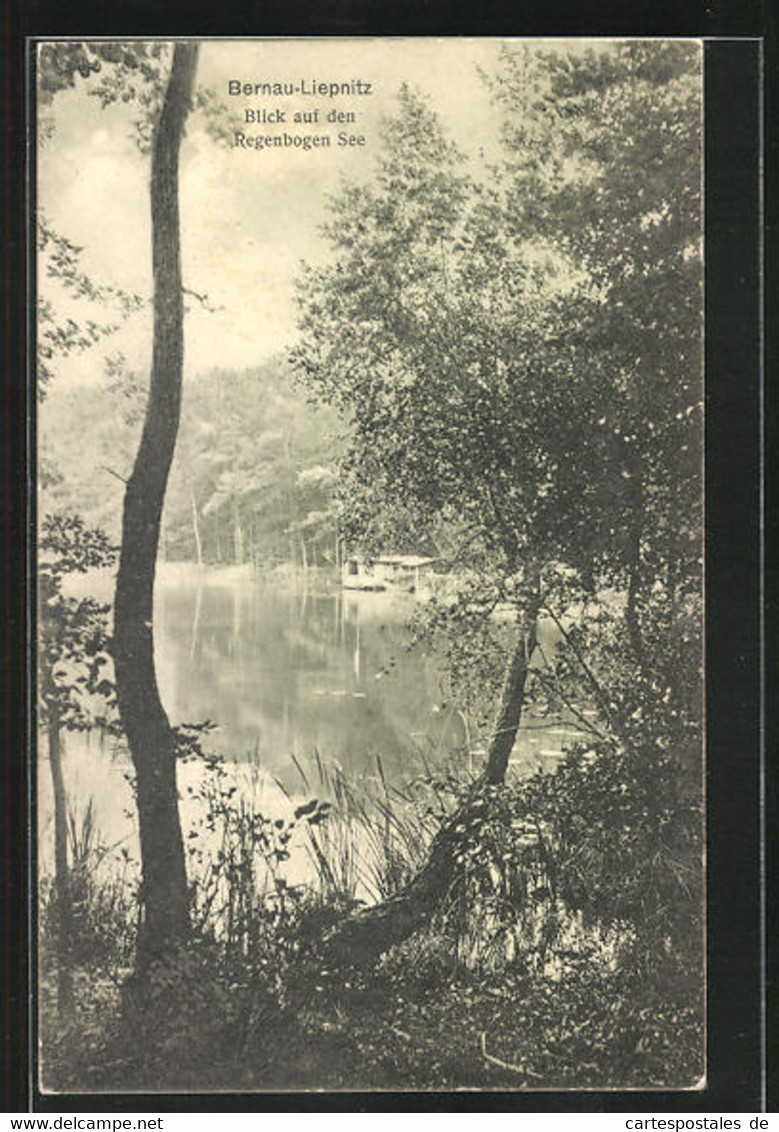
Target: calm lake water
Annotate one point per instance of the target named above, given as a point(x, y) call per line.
point(285, 673)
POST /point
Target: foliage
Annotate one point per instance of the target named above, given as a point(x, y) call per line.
point(61, 334)
point(578, 1002)
point(240, 894)
point(621, 844)
point(113, 72)
point(604, 158)
point(460, 626)
point(518, 355)
point(60, 65)
point(422, 333)
point(254, 441)
point(73, 642)
point(104, 883)
point(602, 849)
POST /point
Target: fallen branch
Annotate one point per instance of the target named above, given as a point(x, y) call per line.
point(497, 1061)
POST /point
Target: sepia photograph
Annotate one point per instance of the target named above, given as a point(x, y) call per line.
point(370, 562)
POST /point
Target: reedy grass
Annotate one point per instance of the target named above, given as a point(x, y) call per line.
point(501, 935)
point(276, 870)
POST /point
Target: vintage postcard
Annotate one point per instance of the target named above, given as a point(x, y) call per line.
point(370, 560)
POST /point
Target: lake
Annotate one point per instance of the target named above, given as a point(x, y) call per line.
point(286, 673)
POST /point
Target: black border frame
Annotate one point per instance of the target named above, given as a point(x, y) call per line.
point(733, 472)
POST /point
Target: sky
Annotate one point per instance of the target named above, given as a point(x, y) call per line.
point(249, 217)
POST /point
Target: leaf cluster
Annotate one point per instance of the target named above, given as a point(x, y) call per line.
point(73, 651)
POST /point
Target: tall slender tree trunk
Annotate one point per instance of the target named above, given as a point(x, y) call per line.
point(237, 533)
point(196, 529)
point(149, 735)
point(291, 509)
point(61, 868)
point(252, 552)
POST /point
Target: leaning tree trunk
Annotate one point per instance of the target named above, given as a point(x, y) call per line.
point(149, 735)
point(512, 698)
point(363, 937)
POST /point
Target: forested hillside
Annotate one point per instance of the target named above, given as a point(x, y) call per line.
point(254, 472)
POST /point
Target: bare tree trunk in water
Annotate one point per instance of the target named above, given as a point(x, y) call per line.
point(149, 735)
point(61, 870)
point(360, 939)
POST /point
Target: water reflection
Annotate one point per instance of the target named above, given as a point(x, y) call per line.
point(285, 673)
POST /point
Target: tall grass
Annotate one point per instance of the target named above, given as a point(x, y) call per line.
point(270, 882)
point(266, 858)
point(272, 866)
point(376, 834)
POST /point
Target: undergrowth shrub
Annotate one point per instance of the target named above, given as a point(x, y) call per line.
point(587, 880)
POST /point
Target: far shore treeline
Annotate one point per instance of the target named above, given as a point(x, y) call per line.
point(252, 482)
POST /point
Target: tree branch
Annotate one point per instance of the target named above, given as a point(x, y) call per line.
point(111, 472)
point(584, 724)
point(608, 711)
point(202, 299)
point(505, 1064)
